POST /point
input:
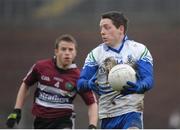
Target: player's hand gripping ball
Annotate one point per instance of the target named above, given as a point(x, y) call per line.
point(119, 75)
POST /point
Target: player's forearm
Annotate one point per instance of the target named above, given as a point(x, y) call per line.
point(145, 71)
point(22, 93)
point(93, 114)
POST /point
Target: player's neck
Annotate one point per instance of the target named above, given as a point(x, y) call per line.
point(61, 66)
point(118, 42)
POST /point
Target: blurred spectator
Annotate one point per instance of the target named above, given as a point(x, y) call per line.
point(174, 120)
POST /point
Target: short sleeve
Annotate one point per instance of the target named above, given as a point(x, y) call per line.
point(32, 76)
point(88, 97)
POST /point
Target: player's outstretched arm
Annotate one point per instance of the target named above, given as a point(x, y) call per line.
point(15, 116)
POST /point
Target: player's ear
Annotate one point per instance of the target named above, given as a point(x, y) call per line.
point(55, 51)
point(121, 29)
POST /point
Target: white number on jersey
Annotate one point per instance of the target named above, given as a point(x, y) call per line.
point(56, 84)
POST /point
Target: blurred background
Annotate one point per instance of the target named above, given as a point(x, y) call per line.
point(28, 29)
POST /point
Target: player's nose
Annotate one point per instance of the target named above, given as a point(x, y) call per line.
point(102, 32)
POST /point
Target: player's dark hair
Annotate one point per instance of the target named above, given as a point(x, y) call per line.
point(118, 18)
point(67, 38)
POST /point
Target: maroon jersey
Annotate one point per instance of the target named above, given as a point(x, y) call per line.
point(56, 89)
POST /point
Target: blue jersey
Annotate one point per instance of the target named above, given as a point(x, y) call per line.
point(112, 103)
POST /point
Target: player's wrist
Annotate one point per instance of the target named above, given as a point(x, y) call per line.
point(141, 87)
point(17, 110)
point(91, 126)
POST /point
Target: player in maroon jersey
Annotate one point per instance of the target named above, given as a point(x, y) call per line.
point(56, 89)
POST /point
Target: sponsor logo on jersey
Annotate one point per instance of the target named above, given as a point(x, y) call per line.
point(58, 79)
point(119, 59)
point(69, 86)
point(130, 60)
point(45, 78)
point(52, 98)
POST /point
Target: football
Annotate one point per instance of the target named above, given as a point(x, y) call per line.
point(119, 75)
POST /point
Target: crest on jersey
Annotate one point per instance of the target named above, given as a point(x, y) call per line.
point(131, 61)
point(69, 86)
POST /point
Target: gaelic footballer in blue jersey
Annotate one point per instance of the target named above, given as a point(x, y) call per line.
point(117, 110)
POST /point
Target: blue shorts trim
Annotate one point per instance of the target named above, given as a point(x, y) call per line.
point(125, 121)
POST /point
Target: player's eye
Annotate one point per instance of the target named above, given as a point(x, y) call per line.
point(71, 49)
point(63, 49)
point(107, 27)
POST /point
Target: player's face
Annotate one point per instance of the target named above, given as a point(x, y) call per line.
point(65, 53)
point(109, 33)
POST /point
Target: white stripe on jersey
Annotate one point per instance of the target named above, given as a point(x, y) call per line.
point(53, 105)
point(53, 101)
point(55, 90)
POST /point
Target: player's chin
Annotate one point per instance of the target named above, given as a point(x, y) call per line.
point(67, 62)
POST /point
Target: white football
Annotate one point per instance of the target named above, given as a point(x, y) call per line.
point(119, 75)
